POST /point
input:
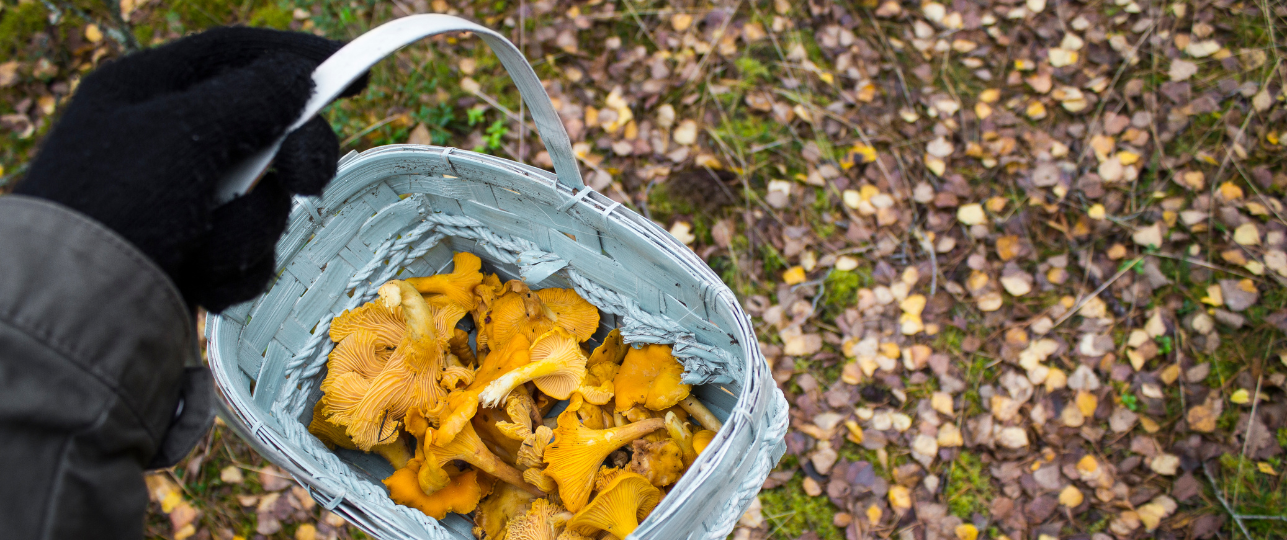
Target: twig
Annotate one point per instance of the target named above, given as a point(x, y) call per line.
point(1246, 441)
point(1237, 518)
point(929, 250)
point(1125, 268)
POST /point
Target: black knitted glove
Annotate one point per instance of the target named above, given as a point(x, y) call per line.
point(145, 139)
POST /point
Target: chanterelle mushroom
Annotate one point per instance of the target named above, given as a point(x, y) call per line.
point(661, 462)
point(412, 374)
point(496, 510)
point(539, 523)
point(532, 313)
point(557, 367)
point(468, 447)
point(576, 453)
point(650, 376)
point(623, 501)
point(601, 367)
point(702, 439)
point(460, 496)
point(386, 322)
point(463, 404)
point(458, 285)
point(332, 435)
point(357, 353)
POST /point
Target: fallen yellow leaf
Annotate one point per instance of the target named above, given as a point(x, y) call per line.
point(793, 275)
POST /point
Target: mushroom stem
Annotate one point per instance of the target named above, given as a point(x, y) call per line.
point(467, 446)
point(700, 413)
point(496, 392)
point(681, 435)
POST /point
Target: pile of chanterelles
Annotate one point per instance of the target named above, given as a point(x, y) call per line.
point(482, 443)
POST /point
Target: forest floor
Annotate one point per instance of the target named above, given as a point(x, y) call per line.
point(1017, 265)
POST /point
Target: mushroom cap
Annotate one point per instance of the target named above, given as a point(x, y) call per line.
point(536, 524)
point(460, 496)
point(661, 462)
point(458, 285)
point(601, 367)
point(538, 478)
point(579, 317)
point(521, 310)
point(395, 390)
point(560, 345)
point(330, 433)
point(341, 395)
point(557, 367)
point(496, 510)
point(374, 316)
point(461, 405)
point(650, 376)
point(702, 439)
point(575, 454)
point(459, 346)
point(626, 500)
point(530, 454)
point(357, 353)
point(612, 350)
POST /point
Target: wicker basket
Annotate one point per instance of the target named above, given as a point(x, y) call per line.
point(402, 210)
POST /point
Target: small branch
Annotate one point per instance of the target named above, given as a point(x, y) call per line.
point(1102, 288)
point(1237, 518)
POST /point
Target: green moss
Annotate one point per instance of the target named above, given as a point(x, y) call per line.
point(790, 512)
point(200, 14)
point(1252, 492)
point(17, 24)
point(271, 16)
point(752, 71)
point(969, 486)
point(773, 261)
point(841, 286)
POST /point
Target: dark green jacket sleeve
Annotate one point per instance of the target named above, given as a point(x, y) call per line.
point(99, 378)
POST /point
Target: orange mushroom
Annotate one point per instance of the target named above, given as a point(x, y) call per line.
point(682, 436)
point(601, 368)
point(460, 496)
point(623, 501)
point(496, 510)
point(459, 346)
point(468, 447)
point(386, 322)
point(531, 453)
point(461, 405)
point(650, 376)
point(661, 462)
point(522, 413)
point(539, 523)
point(458, 285)
point(357, 353)
point(521, 310)
point(576, 453)
point(333, 435)
point(557, 367)
point(410, 378)
point(702, 439)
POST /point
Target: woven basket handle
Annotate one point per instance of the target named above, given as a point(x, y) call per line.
point(350, 62)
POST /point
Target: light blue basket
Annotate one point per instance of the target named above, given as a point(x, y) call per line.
point(402, 210)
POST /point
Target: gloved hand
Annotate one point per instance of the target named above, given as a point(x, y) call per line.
point(146, 138)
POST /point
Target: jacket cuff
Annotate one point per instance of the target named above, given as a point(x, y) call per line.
point(108, 312)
